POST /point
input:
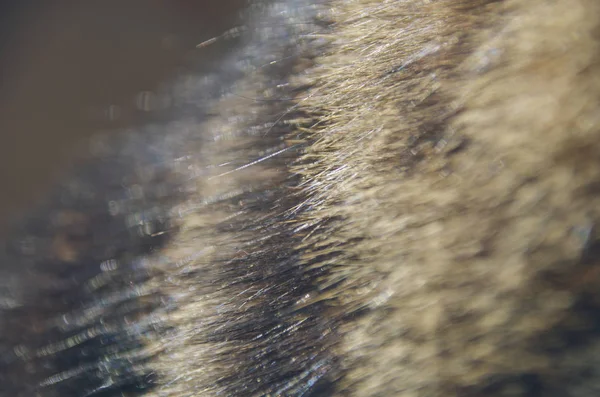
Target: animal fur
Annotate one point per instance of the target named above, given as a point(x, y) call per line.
point(391, 198)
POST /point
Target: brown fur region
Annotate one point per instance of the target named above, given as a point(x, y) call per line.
point(464, 211)
point(390, 198)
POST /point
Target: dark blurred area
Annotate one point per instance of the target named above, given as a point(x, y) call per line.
point(71, 68)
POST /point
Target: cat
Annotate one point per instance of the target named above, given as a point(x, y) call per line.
point(364, 198)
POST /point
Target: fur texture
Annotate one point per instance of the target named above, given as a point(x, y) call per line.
point(369, 198)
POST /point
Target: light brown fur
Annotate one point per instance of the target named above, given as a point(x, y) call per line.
point(430, 167)
point(454, 141)
point(461, 142)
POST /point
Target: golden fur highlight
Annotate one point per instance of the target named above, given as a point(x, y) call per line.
point(396, 198)
point(457, 149)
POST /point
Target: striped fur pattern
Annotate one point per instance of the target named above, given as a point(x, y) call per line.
point(368, 198)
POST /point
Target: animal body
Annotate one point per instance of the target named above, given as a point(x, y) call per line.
point(365, 198)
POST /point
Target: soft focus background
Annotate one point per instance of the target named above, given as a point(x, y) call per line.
point(69, 68)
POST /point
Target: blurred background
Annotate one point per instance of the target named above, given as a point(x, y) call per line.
point(70, 68)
